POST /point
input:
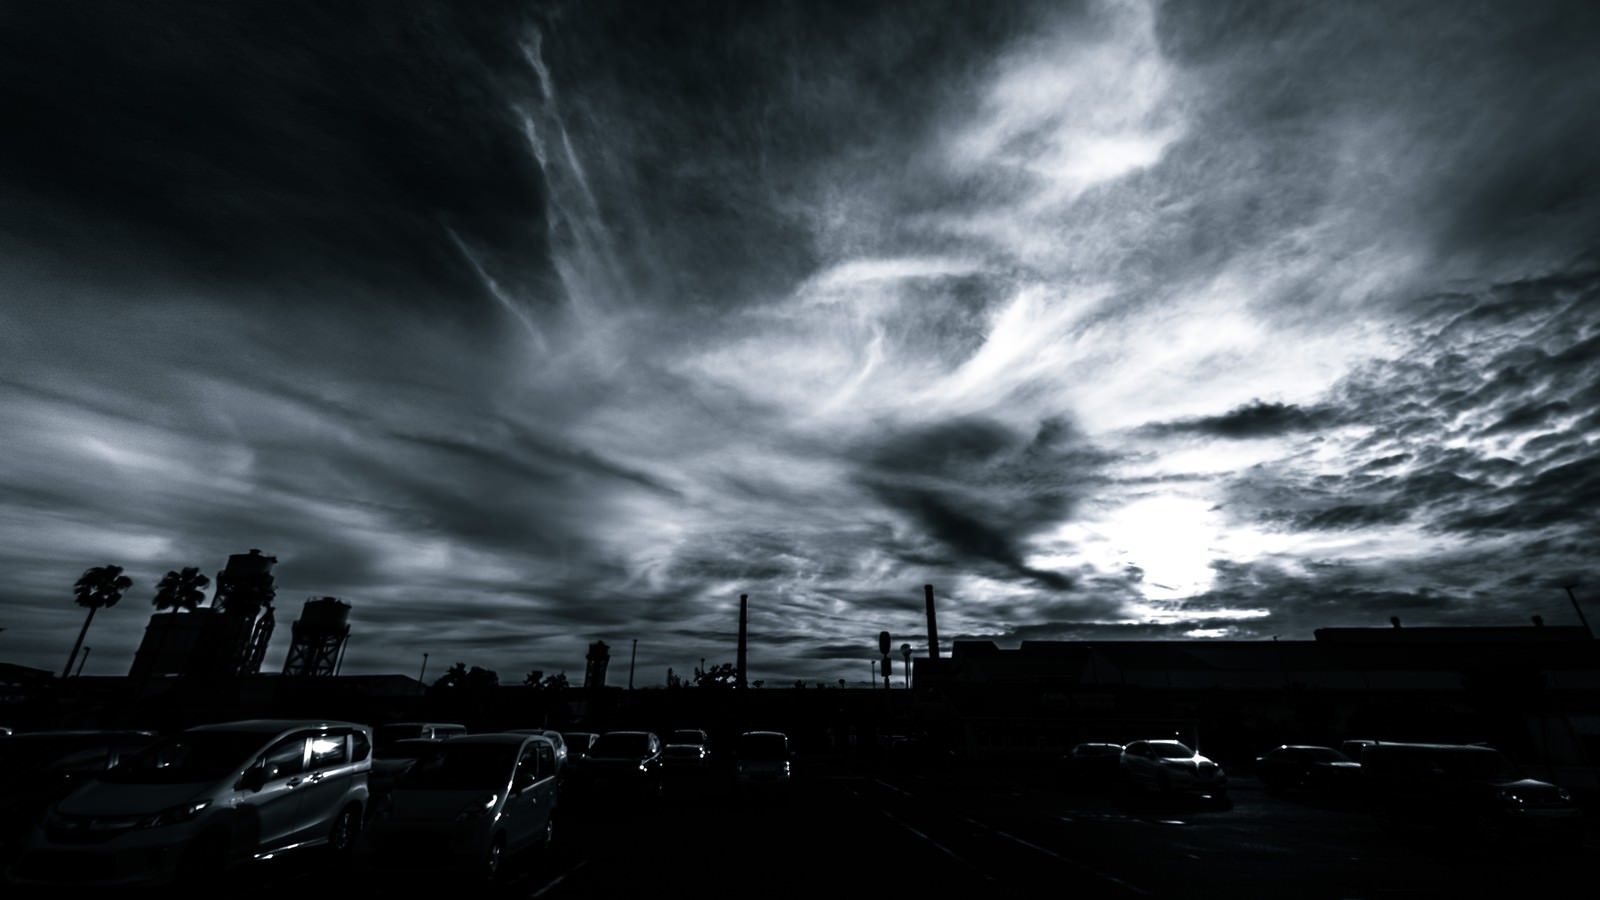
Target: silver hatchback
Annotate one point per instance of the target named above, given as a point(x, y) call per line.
point(204, 800)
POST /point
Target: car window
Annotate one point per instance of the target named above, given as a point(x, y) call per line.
point(286, 758)
point(361, 748)
point(329, 750)
point(461, 766)
point(188, 758)
point(1172, 750)
point(621, 744)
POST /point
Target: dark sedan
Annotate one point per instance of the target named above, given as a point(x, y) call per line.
point(621, 763)
point(1306, 767)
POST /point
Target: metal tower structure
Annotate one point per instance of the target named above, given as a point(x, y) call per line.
point(319, 637)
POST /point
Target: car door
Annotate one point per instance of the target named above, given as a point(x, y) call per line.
point(532, 797)
point(326, 785)
point(275, 807)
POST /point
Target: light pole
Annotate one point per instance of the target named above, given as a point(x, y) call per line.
point(905, 654)
point(874, 674)
point(421, 674)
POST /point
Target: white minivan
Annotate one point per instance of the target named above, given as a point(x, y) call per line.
point(203, 800)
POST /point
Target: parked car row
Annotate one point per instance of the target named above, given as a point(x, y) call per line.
point(140, 808)
point(1162, 766)
point(1470, 792)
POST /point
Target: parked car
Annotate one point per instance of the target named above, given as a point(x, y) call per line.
point(555, 737)
point(1171, 767)
point(1469, 791)
point(389, 732)
point(687, 749)
point(1306, 767)
point(1354, 748)
point(389, 762)
point(38, 768)
point(467, 806)
point(1092, 762)
point(621, 763)
point(763, 763)
point(579, 743)
point(203, 801)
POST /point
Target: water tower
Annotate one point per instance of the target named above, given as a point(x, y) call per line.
point(319, 637)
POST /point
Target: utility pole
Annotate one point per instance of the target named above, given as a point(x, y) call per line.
point(631, 660)
point(1579, 610)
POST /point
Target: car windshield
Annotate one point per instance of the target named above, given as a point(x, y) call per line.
point(385, 735)
point(1318, 754)
point(1483, 763)
point(763, 746)
point(619, 744)
point(191, 757)
point(405, 750)
point(686, 737)
point(1171, 750)
point(457, 766)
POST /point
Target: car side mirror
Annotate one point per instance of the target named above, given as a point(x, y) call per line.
point(255, 777)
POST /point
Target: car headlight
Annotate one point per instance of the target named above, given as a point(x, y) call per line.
point(1564, 794)
point(1511, 797)
point(478, 808)
point(175, 815)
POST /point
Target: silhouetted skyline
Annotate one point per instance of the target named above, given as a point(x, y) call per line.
point(519, 326)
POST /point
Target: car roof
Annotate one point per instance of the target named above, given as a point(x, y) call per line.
point(497, 737)
point(273, 726)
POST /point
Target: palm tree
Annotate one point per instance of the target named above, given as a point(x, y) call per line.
point(97, 588)
point(183, 590)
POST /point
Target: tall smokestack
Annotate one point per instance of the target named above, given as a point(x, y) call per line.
point(933, 628)
point(744, 609)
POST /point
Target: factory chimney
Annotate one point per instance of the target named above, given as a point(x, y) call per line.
point(744, 609)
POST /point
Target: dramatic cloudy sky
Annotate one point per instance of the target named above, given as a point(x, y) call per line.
point(521, 325)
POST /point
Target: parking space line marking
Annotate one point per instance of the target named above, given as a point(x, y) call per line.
point(1058, 857)
point(557, 880)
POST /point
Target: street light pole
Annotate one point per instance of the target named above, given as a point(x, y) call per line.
point(905, 653)
point(421, 675)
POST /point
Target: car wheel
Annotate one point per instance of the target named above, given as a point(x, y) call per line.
point(493, 859)
point(342, 836)
point(204, 860)
point(1484, 831)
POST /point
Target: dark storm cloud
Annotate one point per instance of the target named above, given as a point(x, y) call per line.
point(1253, 420)
point(979, 490)
point(265, 142)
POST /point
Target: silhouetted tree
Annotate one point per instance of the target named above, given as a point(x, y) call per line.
point(723, 676)
point(179, 590)
point(184, 589)
point(452, 678)
point(459, 676)
point(538, 681)
point(479, 678)
point(97, 588)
